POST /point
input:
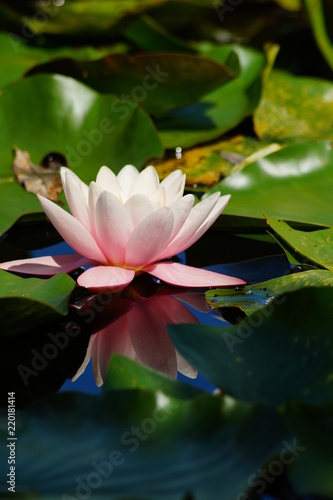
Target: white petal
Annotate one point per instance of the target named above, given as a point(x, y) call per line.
point(106, 179)
point(195, 219)
point(126, 178)
point(174, 188)
point(72, 231)
point(181, 210)
point(146, 183)
point(113, 227)
point(149, 238)
point(138, 207)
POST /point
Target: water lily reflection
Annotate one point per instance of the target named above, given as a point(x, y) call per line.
point(141, 334)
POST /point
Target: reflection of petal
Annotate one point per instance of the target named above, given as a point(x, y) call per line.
point(181, 275)
point(147, 328)
point(46, 266)
point(113, 339)
point(193, 299)
point(106, 278)
point(140, 334)
point(185, 368)
point(86, 359)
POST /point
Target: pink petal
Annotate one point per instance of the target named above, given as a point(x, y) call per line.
point(126, 178)
point(113, 227)
point(106, 179)
point(72, 231)
point(138, 207)
point(149, 238)
point(181, 275)
point(76, 193)
point(196, 218)
point(46, 266)
point(94, 193)
point(106, 278)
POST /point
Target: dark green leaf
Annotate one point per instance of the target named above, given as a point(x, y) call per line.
point(160, 447)
point(158, 82)
point(313, 426)
point(26, 303)
point(123, 373)
point(222, 109)
point(282, 351)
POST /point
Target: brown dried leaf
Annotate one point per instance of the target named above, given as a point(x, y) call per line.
point(35, 178)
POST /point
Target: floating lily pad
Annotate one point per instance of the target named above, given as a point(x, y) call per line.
point(140, 444)
point(123, 373)
point(26, 303)
point(46, 113)
point(282, 351)
point(294, 107)
point(17, 56)
point(293, 184)
point(254, 297)
point(316, 246)
point(158, 82)
point(313, 427)
point(222, 109)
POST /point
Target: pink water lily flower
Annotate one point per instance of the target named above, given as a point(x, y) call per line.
point(128, 224)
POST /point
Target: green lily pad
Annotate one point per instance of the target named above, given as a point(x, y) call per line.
point(294, 184)
point(158, 81)
point(294, 108)
point(151, 36)
point(314, 245)
point(253, 297)
point(282, 351)
point(44, 114)
point(17, 57)
point(313, 426)
point(27, 303)
point(222, 109)
point(123, 373)
point(140, 444)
